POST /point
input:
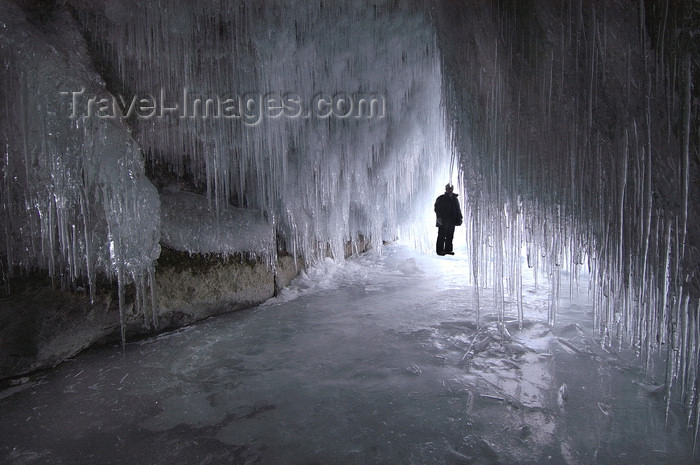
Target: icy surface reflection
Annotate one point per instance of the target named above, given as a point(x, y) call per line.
point(377, 361)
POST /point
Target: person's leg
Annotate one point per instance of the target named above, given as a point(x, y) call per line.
point(449, 235)
point(440, 245)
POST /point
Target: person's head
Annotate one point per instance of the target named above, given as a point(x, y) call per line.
point(448, 188)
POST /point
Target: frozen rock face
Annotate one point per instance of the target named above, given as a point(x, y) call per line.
point(194, 288)
point(579, 148)
point(327, 122)
point(326, 116)
point(41, 326)
point(190, 224)
point(75, 200)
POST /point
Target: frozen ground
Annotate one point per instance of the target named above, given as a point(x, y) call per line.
point(377, 361)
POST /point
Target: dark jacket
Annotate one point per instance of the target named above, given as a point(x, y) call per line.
point(448, 211)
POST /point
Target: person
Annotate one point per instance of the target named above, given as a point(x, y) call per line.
point(449, 215)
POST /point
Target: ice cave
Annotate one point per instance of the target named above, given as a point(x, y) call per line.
point(217, 232)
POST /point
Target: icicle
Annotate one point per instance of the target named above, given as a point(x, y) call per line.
point(152, 288)
point(663, 310)
point(696, 394)
point(683, 349)
point(685, 145)
point(476, 244)
point(122, 304)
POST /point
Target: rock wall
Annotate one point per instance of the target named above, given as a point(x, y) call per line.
point(41, 326)
point(191, 288)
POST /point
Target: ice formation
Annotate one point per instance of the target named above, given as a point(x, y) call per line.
point(322, 178)
point(235, 230)
point(577, 151)
point(75, 199)
point(320, 174)
point(573, 124)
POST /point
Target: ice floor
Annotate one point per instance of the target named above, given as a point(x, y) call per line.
point(362, 363)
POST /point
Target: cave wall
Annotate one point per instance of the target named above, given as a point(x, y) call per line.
point(322, 179)
point(576, 127)
point(89, 193)
point(42, 326)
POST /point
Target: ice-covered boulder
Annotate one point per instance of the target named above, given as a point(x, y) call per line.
point(74, 197)
point(191, 224)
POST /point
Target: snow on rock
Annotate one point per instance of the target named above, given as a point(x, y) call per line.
point(190, 225)
point(323, 275)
